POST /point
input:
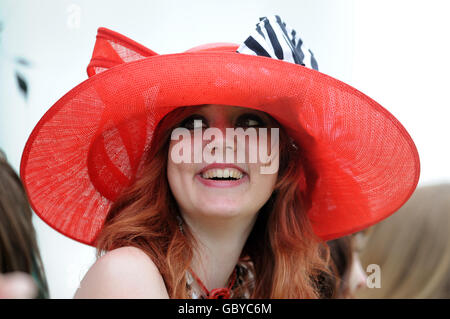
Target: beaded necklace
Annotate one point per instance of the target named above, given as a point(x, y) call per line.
point(240, 284)
point(216, 293)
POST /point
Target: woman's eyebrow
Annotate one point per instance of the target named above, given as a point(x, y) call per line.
point(195, 115)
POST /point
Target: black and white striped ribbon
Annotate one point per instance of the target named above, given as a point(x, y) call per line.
point(272, 38)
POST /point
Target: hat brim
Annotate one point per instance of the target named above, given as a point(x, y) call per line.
point(367, 163)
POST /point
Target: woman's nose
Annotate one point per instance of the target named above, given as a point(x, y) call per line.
point(221, 143)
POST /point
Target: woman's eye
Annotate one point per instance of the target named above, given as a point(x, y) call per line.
point(194, 122)
point(250, 120)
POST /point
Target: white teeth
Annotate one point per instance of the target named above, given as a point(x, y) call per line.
point(222, 173)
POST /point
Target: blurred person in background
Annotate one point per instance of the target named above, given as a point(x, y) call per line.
point(349, 276)
point(22, 271)
point(412, 248)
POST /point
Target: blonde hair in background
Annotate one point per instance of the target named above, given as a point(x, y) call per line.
point(412, 248)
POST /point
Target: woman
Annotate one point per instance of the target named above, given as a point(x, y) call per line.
point(111, 149)
point(219, 214)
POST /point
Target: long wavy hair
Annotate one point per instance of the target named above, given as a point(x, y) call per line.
point(289, 260)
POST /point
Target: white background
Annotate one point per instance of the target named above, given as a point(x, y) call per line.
point(397, 52)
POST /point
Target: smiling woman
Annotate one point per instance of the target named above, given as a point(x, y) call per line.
point(221, 242)
point(131, 161)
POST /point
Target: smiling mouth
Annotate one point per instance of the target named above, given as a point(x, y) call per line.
point(227, 174)
point(222, 177)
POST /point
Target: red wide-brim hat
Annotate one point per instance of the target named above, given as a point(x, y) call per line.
point(89, 145)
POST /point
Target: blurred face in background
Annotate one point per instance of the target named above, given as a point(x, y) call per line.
point(357, 276)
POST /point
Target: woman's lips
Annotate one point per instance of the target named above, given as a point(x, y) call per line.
point(222, 183)
point(222, 166)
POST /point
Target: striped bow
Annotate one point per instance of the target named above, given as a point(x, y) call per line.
point(273, 39)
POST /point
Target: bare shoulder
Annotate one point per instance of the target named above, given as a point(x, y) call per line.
point(125, 272)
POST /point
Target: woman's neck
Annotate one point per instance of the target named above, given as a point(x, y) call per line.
point(220, 243)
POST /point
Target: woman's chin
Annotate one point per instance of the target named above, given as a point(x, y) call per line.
point(220, 208)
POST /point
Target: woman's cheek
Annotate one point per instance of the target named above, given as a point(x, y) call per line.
point(263, 185)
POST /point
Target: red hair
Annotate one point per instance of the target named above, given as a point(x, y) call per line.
point(289, 261)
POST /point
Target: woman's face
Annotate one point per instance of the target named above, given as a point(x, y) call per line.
point(214, 179)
